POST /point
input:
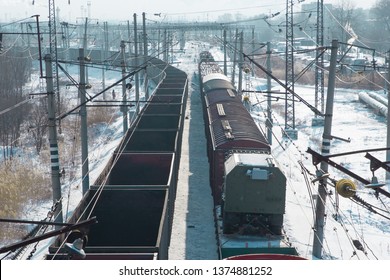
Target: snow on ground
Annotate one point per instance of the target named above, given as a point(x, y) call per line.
point(193, 234)
point(345, 221)
point(103, 139)
point(349, 222)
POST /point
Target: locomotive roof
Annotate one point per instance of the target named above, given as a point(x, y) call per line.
point(250, 160)
point(234, 128)
point(215, 76)
point(216, 81)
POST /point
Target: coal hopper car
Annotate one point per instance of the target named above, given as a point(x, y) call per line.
point(133, 198)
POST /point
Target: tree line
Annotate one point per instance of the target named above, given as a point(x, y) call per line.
point(15, 71)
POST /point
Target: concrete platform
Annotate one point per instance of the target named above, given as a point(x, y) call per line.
point(193, 233)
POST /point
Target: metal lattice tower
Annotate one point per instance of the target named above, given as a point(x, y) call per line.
point(53, 50)
point(319, 74)
point(53, 40)
point(290, 107)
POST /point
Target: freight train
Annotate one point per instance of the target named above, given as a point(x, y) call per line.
point(133, 198)
point(249, 189)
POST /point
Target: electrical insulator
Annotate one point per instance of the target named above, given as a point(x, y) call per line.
point(346, 188)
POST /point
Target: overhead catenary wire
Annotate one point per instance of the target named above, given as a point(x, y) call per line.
point(344, 217)
point(365, 245)
point(293, 161)
point(347, 232)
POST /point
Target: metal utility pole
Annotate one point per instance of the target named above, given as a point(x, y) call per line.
point(103, 71)
point(388, 117)
point(106, 46)
point(171, 37)
point(85, 44)
point(234, 57)
point(165, 47)
point(136, 76)
point(319, 74)
point(182, 39)
point(145, 56)
point(253, 50)
point(104, 56)
point(55, 165)
point(241, 62)
point(290, 104)
point(89, 9)
point(141, 47)
point(129, 37)
point(224, 53)
point(124, 97)
point(39, 45)
point(326, 137)
point(129, 42)
point(158, 43)
point(83, 123)
point(269, 122)
point(53, 53)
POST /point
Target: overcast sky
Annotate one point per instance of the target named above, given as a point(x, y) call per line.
point(170, 9)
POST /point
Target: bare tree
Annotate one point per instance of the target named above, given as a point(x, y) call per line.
point(14, 72)
point(37, 124)
point(344, 14)
point(381, 9)
point(381, 30)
